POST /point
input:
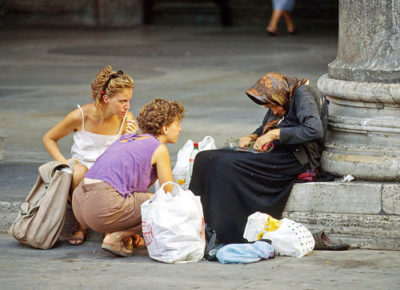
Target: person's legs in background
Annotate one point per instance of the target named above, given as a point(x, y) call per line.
point(272, 27)
point(281, 8)
point(291, 29)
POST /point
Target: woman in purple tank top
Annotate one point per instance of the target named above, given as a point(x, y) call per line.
point(109, 197)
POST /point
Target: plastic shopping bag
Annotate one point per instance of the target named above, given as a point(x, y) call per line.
point(288, 237)
point(259, 223)
point(180, 172)
point(181, 167)
point(173, 226)
point(291, 239)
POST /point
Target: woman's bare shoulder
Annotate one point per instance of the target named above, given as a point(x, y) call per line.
point(89, 109)
point(161, 153)
point(75, 116)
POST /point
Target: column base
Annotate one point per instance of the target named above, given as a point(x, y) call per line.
point(363, 137)
point(361, 166)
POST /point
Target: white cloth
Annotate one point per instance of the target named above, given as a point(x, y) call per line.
point(89, 146)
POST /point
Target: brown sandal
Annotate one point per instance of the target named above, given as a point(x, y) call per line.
point(117, 249)
point(138, 241)
point(77, 241)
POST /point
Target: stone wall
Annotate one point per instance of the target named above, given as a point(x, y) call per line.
point(128, 13)
point(73, 13)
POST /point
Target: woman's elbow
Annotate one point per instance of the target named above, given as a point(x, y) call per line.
point(47, 140)
point(316, 132)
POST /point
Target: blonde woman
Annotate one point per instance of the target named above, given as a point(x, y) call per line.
point(94, 127)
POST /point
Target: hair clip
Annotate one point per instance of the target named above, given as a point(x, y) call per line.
point(103, 93)
point(110, 77)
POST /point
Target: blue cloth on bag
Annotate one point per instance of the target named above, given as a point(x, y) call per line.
point(245, 253)
point(284, 5)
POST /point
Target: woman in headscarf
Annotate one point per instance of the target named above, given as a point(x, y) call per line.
point(234, 184)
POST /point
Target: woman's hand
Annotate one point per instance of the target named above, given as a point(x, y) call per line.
point(266, 138)
point(246, 140)
point(131, 126)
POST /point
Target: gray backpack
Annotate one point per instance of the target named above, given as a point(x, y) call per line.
point(41, 217)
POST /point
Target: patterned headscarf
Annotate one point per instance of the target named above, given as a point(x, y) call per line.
point(274, 88)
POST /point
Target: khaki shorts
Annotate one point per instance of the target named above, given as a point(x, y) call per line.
point(100, 207)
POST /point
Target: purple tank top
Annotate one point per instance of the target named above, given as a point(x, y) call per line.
point(126, 164)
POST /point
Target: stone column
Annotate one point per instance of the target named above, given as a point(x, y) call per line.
point(1, 148)
point(363, 87)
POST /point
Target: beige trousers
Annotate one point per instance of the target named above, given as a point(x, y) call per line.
point(100, 207)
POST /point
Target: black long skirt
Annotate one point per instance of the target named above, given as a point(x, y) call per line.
point(233, 185)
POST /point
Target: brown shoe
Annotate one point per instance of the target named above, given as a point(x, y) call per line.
point(117, 249)
point(322, 242)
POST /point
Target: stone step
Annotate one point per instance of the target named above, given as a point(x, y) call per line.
point(363, 214)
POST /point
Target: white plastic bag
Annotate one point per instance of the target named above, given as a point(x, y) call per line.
point(173, 226)
point(257, 224)
point(181, 168)
point(208, 143)
point(291, 239)
point(180, 172)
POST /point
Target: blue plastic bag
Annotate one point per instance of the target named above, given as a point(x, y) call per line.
point(245, 253)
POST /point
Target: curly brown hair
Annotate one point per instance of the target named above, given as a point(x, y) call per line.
point(158, 113)
point(109, 85)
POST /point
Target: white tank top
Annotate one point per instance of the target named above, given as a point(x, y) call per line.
point(89, 146)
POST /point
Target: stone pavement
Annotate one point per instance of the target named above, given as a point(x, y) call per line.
point(88, 267)
point(44, 74)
